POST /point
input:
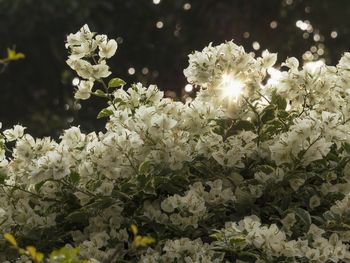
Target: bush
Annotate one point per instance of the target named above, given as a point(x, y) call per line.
point(254, 169)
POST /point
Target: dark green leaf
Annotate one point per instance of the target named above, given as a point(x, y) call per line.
point(236, 178)
point(2, 178)
point(278, 101)
point(244, 201)
point(304, 216)
point(268, 114)
point(267, 169)
point(243, 125)
point(74, 177)
point(78, 217)
point(38, 186)
point(347, 147)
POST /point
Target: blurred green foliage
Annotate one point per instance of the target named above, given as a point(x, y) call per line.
point(37, 91)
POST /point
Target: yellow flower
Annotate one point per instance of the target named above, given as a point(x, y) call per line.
point(31, 251)
point(37, 256)
point(134, 229)
point(140, 241)
point(11, 239)
point(12, 55)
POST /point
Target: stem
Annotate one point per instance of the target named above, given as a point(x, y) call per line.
point(29, 192)
point(132, 165)
point(76, 188)
point(304, 103)
point(299, 160)
point(283, 122)
point(258, 119)
point(263, 96)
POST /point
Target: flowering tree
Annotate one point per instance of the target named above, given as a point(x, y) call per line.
point(254, 169)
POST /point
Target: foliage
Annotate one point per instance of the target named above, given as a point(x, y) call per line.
point(254, 169)
point(63, 255)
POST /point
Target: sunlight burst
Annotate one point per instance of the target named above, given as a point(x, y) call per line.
point(231, 87)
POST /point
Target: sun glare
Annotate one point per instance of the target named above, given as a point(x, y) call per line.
point(231, 87)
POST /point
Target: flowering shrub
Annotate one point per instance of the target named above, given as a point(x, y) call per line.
point(254, 169)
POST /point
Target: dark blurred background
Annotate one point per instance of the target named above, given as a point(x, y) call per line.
point(155, 37)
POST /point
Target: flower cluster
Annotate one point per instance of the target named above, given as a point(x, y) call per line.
point(255, 169)
point(88, 55)
point(183, 250)
point(268, 243)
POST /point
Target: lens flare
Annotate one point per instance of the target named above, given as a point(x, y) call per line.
point(231, 87)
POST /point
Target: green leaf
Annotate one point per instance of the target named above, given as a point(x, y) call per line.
point(236, 178)
point(243, 125)
point(142, 179)
point(116, 82)
point(38, 186)
point(304, 216)
point(149, 188)
point(347, 147)
point(329, 216)
point(104, 113)
point(267, 169)
point(78, 217)
point(144, 167)
point(66, 255)
point(2, 178)
point(98, 205)
point(127, 187)
point(159, 180)
point(282, 114)
point(74, 177)
point(278, 101)
point(244, 201)
point(268, 114)
point(100, 93)
point(119, 102)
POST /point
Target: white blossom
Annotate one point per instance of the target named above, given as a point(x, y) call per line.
point(13, 134)
point(107, 48)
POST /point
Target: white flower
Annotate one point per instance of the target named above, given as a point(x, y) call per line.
point(82, 67)
point(163, 122)
point(342, 206)
point(88, 71)
point(108, 49)
point(82, 35)
point(268, 59)
point(83, 52)
point(84, 90)
point(13, 134)
point(100, 70)
point(85, 49)
point(291, 63)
